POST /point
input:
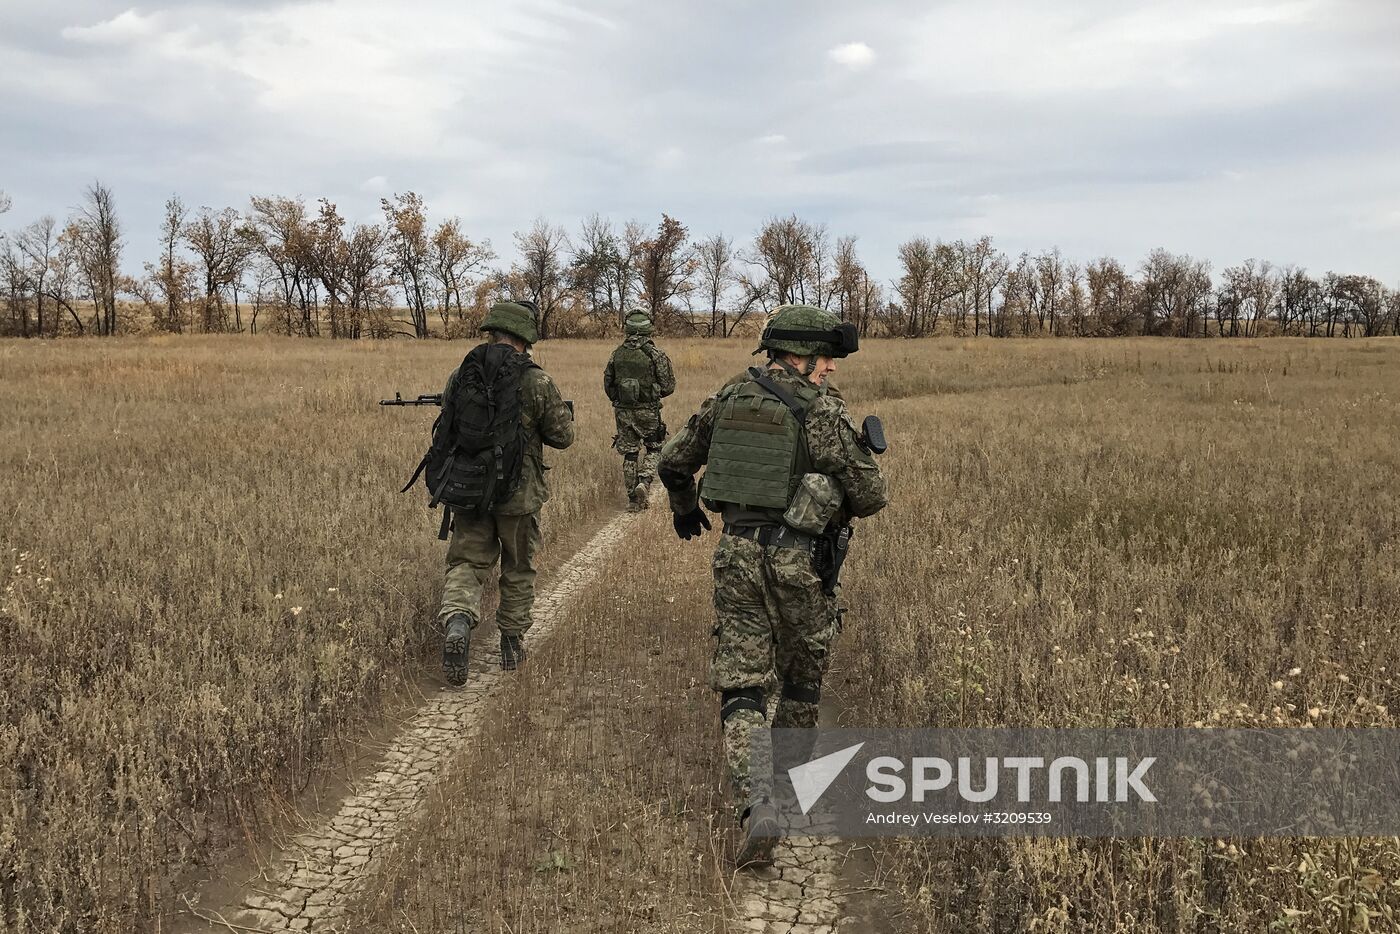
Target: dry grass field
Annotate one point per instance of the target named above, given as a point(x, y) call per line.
point(211, 586)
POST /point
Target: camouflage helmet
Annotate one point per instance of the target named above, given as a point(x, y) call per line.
point(806, 330)
point(637, 322)
point(515, 318)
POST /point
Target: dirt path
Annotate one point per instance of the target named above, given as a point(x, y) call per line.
point(801, 893)
point(311, 881)
point(818, 884)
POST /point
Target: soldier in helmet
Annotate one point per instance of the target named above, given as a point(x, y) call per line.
point(509, 530)
point(784, 465)
point(638, 376)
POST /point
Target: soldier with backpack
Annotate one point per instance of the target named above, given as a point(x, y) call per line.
point(638, 376)
point(486, 467)
point(787, 469)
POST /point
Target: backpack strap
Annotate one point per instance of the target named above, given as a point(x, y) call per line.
point(446, 526)
point(446, 469)
point(781, 394)
point(422, 465)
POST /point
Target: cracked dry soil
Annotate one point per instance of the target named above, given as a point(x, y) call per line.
point(313, 878)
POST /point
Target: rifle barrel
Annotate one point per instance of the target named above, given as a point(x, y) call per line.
point(425, 399)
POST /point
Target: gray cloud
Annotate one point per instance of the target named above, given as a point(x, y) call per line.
point(1227, 128)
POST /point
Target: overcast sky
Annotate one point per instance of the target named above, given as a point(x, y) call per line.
point(1223, 128)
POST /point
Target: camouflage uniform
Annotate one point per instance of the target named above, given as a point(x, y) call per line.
point(639, 425)
point(511, 531)
point(774, 622)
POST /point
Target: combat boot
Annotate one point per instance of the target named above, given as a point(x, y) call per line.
point(637, 498)
point(512, 652)
point(760, 826)
point(456, 645)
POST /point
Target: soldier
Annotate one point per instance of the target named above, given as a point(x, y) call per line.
point(637, 378)
point(509, 528)
point(786, 467)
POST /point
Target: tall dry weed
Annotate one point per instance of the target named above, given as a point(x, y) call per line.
point(209, 581)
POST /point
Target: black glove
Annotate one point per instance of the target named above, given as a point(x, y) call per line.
point(689, 525)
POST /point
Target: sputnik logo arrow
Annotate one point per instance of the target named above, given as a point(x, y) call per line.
point(810, 780)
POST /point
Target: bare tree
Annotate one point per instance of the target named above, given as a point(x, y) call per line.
point(1053, 275)
point(366, 290)
point(931, 277)
point(330, 255)
point(817, 284)
point(1298, 303)
point(593, 269)
point(716, 272)
point(406, 224)
point(65, 271)
point(985, 281)
point(859, 299)
point(278, 230)
point(170, 278)
point(666, 264)
point(1175, 294)
point(541, 269)
point(848, 283)
point(915, 282)
point(222, 253)
point(39, 242)
point(1261, 289)
point(101, 253)
point(453, 259)
point(792, 259)
point(1362, 301)
point(626, 273)
point(1112, 302)
point(15, 272)
point(1020, 296)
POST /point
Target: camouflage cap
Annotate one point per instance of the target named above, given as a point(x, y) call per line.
point(517, 318)
point(638, 322)
point(806, 330)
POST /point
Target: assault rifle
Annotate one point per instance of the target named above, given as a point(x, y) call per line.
point(436, 399)
point(834, 544)
point(427, 399)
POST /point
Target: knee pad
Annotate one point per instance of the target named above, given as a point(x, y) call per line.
point(803, 692)
point(630, 456)
point(737, 699)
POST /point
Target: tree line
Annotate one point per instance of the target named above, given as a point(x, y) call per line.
point(284, 266)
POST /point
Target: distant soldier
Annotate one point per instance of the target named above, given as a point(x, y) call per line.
point(787, 468)
point(637, 378)
point(498, 411)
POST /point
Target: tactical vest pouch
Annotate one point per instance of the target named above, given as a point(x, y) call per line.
point(629, 392)
point(814, 504)
point(754, 452)
point(635, 377)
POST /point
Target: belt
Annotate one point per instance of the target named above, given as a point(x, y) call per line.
point(779, 535)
